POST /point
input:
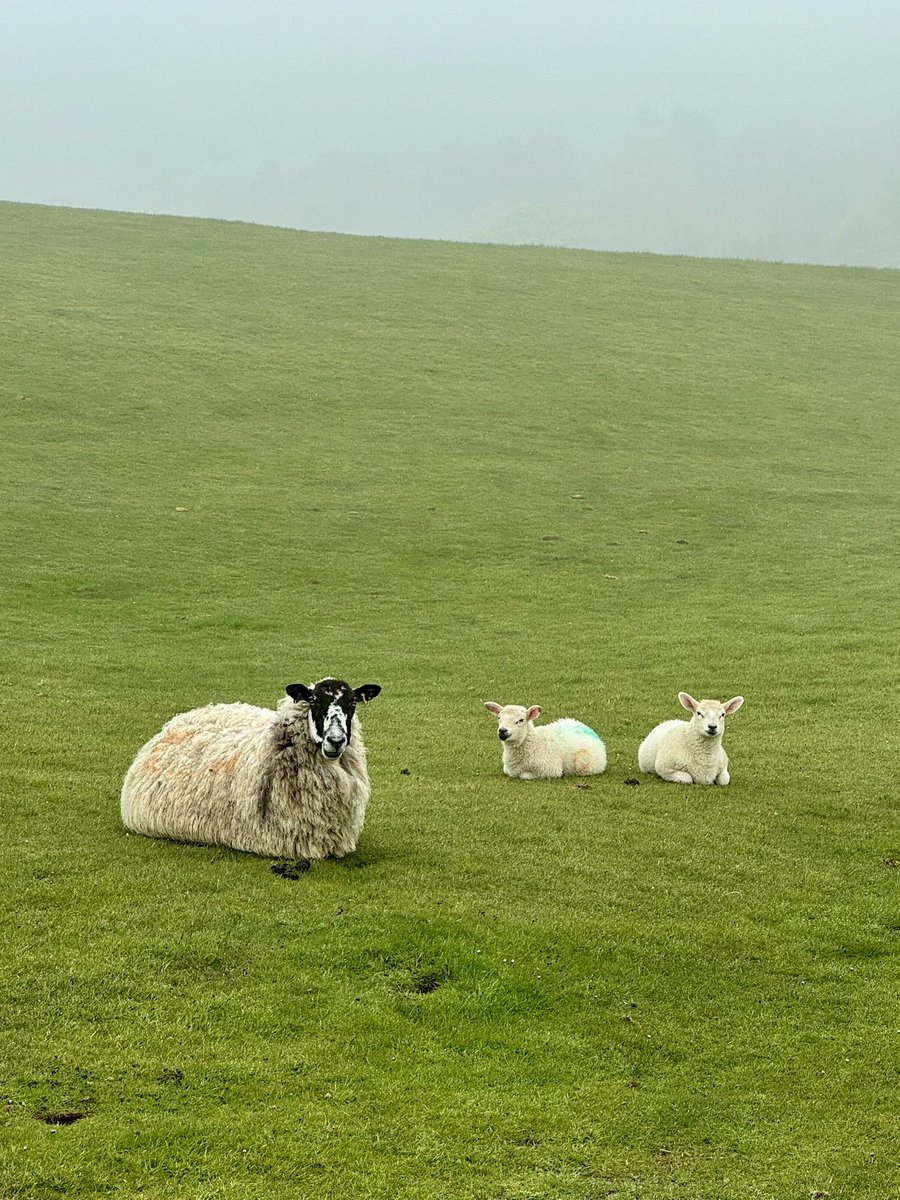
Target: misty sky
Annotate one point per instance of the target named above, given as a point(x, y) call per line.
point(765, 128)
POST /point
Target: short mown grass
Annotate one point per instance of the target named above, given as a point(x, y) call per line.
point(236, 457)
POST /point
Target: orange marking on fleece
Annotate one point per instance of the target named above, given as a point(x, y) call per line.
point(582, 762)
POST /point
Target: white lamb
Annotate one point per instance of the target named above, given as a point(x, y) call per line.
point(564, 747)
point(290, 783)
point(690, 751)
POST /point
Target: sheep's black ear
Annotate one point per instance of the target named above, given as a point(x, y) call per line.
point(299, 691)
point(368, 691)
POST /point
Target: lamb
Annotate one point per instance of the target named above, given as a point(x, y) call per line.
point(690, 751)
point(564, 747)
point(288, 783)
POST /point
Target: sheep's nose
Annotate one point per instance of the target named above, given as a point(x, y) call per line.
point(335, 741)
point(502, 734)
point(711, 728)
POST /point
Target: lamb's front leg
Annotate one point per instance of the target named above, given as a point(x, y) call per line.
point(676, 776)
point(723, 777)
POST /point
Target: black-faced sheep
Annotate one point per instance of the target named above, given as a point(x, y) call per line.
point(289, 783)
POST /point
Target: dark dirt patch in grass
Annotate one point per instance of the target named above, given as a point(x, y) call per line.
point(61, 1118)
point(412, 975)
point(426, 983)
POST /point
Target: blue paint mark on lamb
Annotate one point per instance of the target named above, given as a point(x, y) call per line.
point(569, 723)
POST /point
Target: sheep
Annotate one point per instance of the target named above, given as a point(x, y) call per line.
point(690, 751)
point(285, 783)
point(564, 747)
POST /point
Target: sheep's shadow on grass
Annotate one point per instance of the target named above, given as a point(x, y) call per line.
point(293, 868)
point(357, 860)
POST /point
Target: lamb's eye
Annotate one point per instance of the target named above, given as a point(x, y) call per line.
point(519, 722)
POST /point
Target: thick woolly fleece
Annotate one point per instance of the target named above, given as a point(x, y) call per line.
point(249, 778)
point(678, 746)
point(564, 747)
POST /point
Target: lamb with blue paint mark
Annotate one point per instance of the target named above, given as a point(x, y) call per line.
point(564, 747)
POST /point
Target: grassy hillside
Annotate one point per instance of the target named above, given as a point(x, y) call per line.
point(235, 457)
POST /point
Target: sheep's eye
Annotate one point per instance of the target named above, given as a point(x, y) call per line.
point(519, 722)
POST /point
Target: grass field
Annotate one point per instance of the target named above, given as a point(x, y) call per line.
point(235, 457)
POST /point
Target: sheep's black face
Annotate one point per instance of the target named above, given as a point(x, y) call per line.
point(332, 703)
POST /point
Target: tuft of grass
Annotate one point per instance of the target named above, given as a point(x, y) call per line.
point(238, 456)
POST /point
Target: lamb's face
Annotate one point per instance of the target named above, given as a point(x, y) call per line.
point(332, 703)
point(709, 715)
point(512, 721)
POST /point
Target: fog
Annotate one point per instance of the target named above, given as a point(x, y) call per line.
point(760, 128)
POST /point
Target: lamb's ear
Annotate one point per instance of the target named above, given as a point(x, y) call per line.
point(534, 711)
point(731, 706)
point(366, 692)
point(687, 701)
point(299, 691)
point(492, 708)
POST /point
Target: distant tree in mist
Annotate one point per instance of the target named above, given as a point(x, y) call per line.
point(805, 190)
point(676, 185)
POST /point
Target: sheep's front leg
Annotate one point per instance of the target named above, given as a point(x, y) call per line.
point(723, 777)
point(676, 776)
point(527, 775)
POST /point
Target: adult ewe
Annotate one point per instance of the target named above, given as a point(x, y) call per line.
point(286, 783)
point(564, 747)
point(690, 751)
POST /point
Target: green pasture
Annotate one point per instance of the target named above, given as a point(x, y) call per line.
point(236, 457)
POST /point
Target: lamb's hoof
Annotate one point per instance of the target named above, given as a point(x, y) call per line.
point(292, 869)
